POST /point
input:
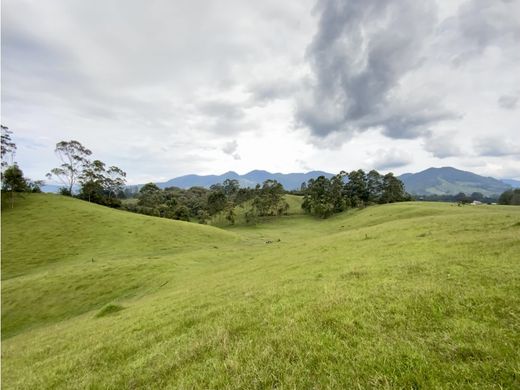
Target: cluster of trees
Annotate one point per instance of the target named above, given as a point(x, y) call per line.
point(510, 197)
point(98, 182)
point(201, 204)
point(460, 198)
point(13, 179)
point(324, 197)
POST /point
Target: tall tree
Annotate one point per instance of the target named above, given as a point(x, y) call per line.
point(14, 181)
point(150, 196)
point(356, 189)
point(393, 189)
point(93, 180)
point(74, 158)
point(317, 199)
point(374, 186)
point(8, 146)
point(115, 181)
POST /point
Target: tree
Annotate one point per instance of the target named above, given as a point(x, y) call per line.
point(74, 158)
point(92, 181)
point(230, 187)
point(393, 189)
point(216, 201)
point(510, 197)
point(374, 186)
point(8, 146)
point(336, 193)
point(317, 199)
point(356, 189)
point(150, 196)
point(269, 199)
point(14, 181)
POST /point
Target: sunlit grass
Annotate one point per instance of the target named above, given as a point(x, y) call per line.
point(415, 295)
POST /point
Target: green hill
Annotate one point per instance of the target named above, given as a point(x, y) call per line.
point(451, 181)
point(412, 295)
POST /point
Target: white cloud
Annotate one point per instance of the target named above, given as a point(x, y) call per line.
point(166, 89)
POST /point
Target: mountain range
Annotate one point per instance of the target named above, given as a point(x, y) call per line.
point(439, 181)
point(451, 181)
point(290, 181)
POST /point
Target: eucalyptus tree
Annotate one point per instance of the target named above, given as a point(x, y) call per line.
point(8, 146)
point(74, 159)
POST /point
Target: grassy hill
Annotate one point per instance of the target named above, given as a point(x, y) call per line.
point(413, 295)
point(451, 181)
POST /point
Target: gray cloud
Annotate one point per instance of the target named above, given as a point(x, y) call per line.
point(391, 158)
point(497, 147)
point(231, 149)
point(442, 146)
point(508, 102)
point(268, 90)
point(485, 23)
point(149, 86)
point(359, 55)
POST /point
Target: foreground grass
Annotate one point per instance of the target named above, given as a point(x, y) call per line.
point(415, 295)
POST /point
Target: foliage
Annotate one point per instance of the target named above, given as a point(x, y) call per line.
point(461, 197)
point(7, 145)
point(268, 200)
point(98, 183)
point(510, 197)
point(74, 159)
point(324, 197)
point(219, 201)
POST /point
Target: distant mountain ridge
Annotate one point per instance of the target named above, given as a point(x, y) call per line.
point(439, 181)
point(451, 181)
point(290, 181)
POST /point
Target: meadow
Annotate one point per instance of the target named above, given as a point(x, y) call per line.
point(406, 295)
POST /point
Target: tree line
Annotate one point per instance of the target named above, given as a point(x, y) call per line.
point(12, 176)
point(202, 204)
point(510, 197)
point(98, 182)
point(324, 197)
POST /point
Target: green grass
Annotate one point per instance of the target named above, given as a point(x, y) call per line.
point(414, 295)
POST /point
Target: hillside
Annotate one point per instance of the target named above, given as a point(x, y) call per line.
point(57, 244)
point(451, 181)
point(412, 295)
point(290, 181)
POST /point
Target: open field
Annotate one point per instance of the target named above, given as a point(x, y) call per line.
point(409, 295)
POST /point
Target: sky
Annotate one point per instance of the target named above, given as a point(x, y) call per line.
point(165, 88)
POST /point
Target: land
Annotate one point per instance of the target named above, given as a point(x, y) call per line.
point(406, 295)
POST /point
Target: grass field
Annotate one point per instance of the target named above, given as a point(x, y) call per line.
point(411, 295)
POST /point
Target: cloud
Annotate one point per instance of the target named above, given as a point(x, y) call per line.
point(485, 23)
point(508, 102)
point(269, 90)
point(147, 87)
point(390, 158)
point(442, 146)
point(231, 149)
point(497, 147)
point(358, 57)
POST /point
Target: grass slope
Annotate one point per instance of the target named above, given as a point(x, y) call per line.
point(415, 295)
point(62, 257)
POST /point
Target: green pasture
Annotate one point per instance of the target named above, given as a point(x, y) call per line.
point(409, 295)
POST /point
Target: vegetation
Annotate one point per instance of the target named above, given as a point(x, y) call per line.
point(403, 295)
point(460, 198)
point(99, 184)
point(201, 204)
point(448, 180)
point(13, 180)
point(324, 197)
point(8, 147)
point(510, 197)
